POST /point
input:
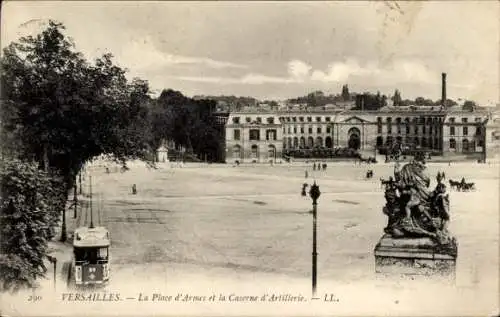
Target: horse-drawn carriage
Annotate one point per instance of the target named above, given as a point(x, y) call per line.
point(462, 185)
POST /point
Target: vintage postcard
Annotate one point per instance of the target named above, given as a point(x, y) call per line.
point(255, 158)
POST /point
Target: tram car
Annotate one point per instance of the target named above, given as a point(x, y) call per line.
point(91, 256)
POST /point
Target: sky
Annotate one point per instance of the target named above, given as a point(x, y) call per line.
point(276, 50)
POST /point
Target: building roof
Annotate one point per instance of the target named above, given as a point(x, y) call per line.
point(91, 237)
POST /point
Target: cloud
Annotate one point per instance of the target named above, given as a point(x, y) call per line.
point(144, 55)
point(298, 69)
point(336, 72)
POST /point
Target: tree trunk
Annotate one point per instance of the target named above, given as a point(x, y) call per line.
point(46, 158)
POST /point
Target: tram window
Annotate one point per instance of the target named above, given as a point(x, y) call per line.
point(91, 255)
point(103, 253)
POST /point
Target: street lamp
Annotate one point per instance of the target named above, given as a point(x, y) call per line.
point(314, 193)
point(53, 260)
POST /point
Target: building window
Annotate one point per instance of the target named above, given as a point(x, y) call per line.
point(236, 120)
point(255, 151)
point(407, 129)
point(288, 119)
point(477, 119)
point(236, 134)
point(301, 119)
point(452, 120)
point(464, 120)
point(270, 120)
point(399, 129)
point(289, 130)
point(452, 130)
point(271, 135)
point(327, 119)
point(453, 144)
point(319, 129)
point(248, 119)
point(318, 119)
point(309, 119)
point(328, 130)
point(259, 120)
point(236, 151)
point(302, 129)
point(254, 135)
point(294, 129)
point(416, 129)
point(466, 131)
point(294, 119)
point(389, 128)
point(478, 130)
point(465, 145)
point(310, 130)
point(480, 143)
point(379, 129)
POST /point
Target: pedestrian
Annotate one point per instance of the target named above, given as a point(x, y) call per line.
point(314, 166)
point(306, 174)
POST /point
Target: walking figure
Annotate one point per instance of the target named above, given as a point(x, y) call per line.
point(314, 166)
point(134, 189)
point(304, 193)
point(306, 174)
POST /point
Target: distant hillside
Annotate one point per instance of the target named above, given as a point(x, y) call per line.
point(230, 103)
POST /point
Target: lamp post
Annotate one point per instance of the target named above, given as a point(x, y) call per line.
point(314, 193)
point(53, 260)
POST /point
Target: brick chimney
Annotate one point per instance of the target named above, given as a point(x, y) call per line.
point(443, 89)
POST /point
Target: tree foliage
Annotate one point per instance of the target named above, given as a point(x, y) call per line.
point(65, 110)
point(188, 123)
point(345, 93)
point(396, 99)
point(29, 205)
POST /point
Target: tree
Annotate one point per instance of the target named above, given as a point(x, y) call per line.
point(64, 110)
point(188, 122)
point(29, 205)
point(396, 98)
point(469, 106)
point(345, 93)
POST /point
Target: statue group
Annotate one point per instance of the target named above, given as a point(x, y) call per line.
point(416, 239)
point(413, 209)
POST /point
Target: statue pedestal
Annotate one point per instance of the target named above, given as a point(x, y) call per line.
point(414, 257)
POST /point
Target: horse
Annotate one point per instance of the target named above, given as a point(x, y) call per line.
point(468, 186)
point(455, 184)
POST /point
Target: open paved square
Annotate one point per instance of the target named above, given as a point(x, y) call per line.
point(247, 230)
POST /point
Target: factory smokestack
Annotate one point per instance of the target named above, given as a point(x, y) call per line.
point(443, 89)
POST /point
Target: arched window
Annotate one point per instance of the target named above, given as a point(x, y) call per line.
point(302, 143)
point(271, 151)
point(295, 142)
point(310, 142)
point(319, 141)
point(328, 142)
point(255, 151)
point(465, 145)
point(453, 144)
point(237, 152)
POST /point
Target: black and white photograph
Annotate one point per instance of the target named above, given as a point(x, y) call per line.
point(249, 158)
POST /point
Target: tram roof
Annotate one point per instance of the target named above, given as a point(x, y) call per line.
point(91, 237)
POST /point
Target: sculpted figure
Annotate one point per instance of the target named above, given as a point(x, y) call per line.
point(413, 209)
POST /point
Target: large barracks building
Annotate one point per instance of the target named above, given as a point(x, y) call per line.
point(260, 136)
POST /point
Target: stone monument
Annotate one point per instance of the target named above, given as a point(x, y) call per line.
point(416, 239)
